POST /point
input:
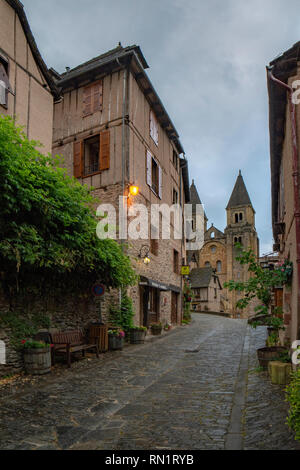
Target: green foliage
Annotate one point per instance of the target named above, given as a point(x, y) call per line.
point(22, 326)
point(122, 317)
point(293, 397)
point(260, 286)
point(139, 328)
point(273, 340)
point(31, 344)
point(48, 227)
point(187, 299)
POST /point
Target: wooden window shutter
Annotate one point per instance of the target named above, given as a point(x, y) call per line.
point(97, 97)
point(87, 100)
point(104, 150)
point(78, 159)
point(160, 182)
point(149, 168)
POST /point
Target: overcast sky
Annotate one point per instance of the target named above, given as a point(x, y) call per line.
point(207, 62)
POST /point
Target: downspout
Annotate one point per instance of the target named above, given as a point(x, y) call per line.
point(292, 107)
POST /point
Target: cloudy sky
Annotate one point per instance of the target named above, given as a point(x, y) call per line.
point(207, 62)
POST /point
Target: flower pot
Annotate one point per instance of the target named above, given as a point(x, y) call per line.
point(265, 355)
point(115, 343)
point(37, 361)
point(137, 336)
point(156, 330)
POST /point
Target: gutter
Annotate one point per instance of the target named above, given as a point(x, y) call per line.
point(292, 109)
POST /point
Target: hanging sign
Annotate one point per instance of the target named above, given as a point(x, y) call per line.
point(185, 270)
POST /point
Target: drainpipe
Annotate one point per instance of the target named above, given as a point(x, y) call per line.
point(292, 107)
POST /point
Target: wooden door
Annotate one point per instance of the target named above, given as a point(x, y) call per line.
point(174, 307)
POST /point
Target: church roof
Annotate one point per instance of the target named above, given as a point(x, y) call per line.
point(195, 198)
point(217, 232)
point(239, 196)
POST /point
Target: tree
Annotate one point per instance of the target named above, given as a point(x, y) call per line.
point(48, 225)
point(260, 286)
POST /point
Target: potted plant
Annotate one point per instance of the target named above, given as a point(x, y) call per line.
point(37, 357)
point(167, 327)
point(137, 334)
point(116, 340)
point(156, 329)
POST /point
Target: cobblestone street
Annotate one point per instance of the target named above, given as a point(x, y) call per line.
point(197, 388)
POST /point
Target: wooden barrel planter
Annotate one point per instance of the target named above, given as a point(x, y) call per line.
point(265, 355)
point(137, 336)
point(115, 343)
point(37, 361)
point(156, 330)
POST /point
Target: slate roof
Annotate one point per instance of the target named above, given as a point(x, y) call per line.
point(19, 8)
point(195, 198)
point(117, 59)
point(99, 61)
point(201, 277)
point(239, 196)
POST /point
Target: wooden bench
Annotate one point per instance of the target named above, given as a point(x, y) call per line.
point(69, 342)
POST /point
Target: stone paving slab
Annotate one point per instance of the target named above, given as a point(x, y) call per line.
point(175, 393)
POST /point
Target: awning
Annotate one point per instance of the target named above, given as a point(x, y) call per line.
point(159, 285)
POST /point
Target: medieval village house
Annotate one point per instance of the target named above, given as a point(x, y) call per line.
point(284, 116)
point(26, 87)
point(113, 132)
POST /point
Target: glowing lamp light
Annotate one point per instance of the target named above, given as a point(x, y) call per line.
point(134, 190)
point(147, 260)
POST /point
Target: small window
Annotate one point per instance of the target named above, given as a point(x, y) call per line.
point(213, 249)
point(212, 235)
point(92, 98)
point(176, 262)
point(175, 160)
point(207, 264)
point(153, 128)
point(175, 196)
point(155, 176)
point(219, 266)
point(241, 217)
point(236, 218)
point(91, 155)
point(5, 87)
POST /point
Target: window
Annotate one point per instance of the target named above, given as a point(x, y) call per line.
point(92, 155)
point(213, 249)
point(154, 175)
point(175, 160)
point(219, 266)
point(176, 262)
point(241, 217)
point(175, 196)
point(92, 98)
point(236, 218)
point(212, 235)
point(153, 128)
point(207, 264)
point(5, 87)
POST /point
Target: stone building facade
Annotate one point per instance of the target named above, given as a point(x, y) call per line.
point(114, 132)
point(26, 87)
point(219, 251)
point(284, 117)
point(206, 289)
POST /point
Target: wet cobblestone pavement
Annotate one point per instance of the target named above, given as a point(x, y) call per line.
point(184, 391)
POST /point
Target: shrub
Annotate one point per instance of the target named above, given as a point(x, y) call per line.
point(293, 397)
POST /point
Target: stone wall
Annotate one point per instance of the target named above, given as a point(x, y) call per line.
point(65, 313)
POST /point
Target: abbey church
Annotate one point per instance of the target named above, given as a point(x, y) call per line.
point(216, 262)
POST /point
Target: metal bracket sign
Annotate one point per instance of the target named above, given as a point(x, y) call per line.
point(98, 290)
